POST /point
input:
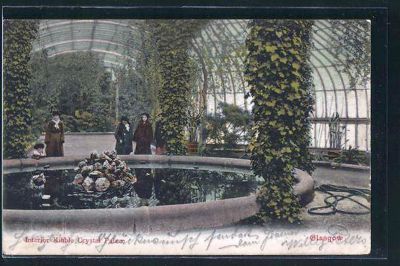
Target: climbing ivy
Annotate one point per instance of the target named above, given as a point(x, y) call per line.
point(172, 40)
point(279, 76)
point(18, 38)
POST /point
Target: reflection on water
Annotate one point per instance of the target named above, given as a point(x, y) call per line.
point(158, 186)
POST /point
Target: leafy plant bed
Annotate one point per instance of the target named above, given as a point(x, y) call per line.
point(347, 156)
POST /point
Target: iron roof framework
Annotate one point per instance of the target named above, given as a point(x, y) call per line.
point(221, 46)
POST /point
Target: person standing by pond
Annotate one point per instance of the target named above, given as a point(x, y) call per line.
point(159, 138)
point(123, 136)
point(143, 135)
point(160, 150)
point(54, 137)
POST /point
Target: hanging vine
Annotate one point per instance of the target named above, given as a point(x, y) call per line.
point(352, 47)
point(172, 39)
point(279, 76)
point(18, 38)
point(148, 67)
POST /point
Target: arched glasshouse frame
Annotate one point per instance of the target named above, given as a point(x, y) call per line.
point(249, 116)
point(221, 47)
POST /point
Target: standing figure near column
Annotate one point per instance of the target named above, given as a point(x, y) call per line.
point(54, 137)
point(143, 135)
point(160, 150)
point(123, 136)
point(159, 138)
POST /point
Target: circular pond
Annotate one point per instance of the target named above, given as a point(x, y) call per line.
point(185, 192)
point(164, 186)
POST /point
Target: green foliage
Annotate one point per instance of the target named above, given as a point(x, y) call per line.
point(18, 38)
point(230, 126)
point(352, 47)
point(172, 39)
point(279, 76)
point(140, 82)
point(352, 156)
point(134, 97)
point(76, 84)
point(319, 156)
point(148, 67)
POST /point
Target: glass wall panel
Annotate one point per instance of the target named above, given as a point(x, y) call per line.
point(336, 76)
point(210, 104)
point(368, 133)
point(362, 136)
point(351, 101)
point(362, 103)
point(331, 102)
point(240, 100)
point(341, 103)
point(229, 98)
point(351, 135)
point(318, 83)
point(322, 135)
point(320, 99)
point(368, 100)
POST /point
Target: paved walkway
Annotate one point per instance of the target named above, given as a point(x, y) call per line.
point(83, 144)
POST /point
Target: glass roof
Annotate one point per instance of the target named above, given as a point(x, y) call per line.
point(221, 45)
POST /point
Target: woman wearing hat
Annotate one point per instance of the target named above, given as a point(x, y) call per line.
point(143, 135)
point(123, 136)
point(54, 137)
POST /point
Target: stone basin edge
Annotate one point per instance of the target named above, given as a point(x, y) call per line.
point(145, 219)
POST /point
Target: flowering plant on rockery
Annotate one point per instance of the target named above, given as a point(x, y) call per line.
point(104, 172)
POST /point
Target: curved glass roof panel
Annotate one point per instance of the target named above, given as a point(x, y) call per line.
point(116, 41)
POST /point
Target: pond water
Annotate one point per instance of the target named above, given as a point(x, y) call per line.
point(159, 186)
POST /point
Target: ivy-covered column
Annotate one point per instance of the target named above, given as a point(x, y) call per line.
point(172, 39)
point(279, 76)
point(18, 38)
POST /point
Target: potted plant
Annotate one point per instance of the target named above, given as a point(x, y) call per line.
point(229, 129)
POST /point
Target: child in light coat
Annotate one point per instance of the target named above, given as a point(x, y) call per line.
point(38, 151)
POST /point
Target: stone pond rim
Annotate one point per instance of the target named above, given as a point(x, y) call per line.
point(145, 219)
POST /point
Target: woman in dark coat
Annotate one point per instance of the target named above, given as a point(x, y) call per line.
point(54, 137)
point(143, 135)
point(123, 136)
